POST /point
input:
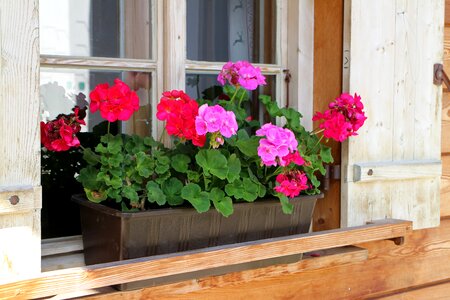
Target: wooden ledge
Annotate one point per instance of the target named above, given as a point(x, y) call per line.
point(95, 276)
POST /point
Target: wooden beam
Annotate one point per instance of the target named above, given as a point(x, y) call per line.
point(64, 281)
point(61, 245)
point(396, 170)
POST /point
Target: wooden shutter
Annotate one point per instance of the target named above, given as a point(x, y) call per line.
point(19, 139)
point(392, 170)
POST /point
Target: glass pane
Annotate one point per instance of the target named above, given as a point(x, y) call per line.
point(100, 28)
point(231, 30)
point(60, 90)
point(206, 86)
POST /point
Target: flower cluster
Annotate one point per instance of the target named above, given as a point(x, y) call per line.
point(343, 118)
point(118, 102)
point(180, 112)
point(60, 133)
point(241, 73)
point(291, 183)
point(215, 119)
point(277, 145)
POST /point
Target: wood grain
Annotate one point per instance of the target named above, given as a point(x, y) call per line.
point(445, 147)
point(394, 78)
point(390, 268)
point(396, 170)
point(434, 292)
point(55, 61)
point(328, 44)
point(61, 245)
point(19, 138)
point(63, 281)
point(445, 185)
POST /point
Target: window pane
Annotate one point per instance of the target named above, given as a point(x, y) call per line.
point(206, 86)
point(60, 88)
point(230, 30)
point(100, 28)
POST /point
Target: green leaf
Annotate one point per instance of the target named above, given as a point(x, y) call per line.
point(155, 194)
point(271, 106)
point(249, 147)
point(245, 189)
point(172, 189)
point(88, 178)
point(115, 144)
point(114, 194)
point(234, 168)
point(161, 169)
point(193, 176)
point(95, 196)
point(90, 157)
point(222, 203)
point(131, 194)
point(180, 162)
point(213, 161)
point(286, 206)
point(198, 198)
point(325, 154)
point(144, 164)
point(150, 141)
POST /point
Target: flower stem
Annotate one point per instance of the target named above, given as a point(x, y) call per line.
point(240, 99)
point(235, 93)
point(109, 126)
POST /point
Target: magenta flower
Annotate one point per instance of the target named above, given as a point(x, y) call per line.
point(241, 73)
point(278, 143)
point(215, 119)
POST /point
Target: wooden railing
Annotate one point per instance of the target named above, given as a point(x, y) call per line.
point(74, 279)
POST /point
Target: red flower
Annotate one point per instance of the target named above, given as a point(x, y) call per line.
point(179, 112)
point(343, 118)
point(115, 103)
point(60, 133)
point(291, 183)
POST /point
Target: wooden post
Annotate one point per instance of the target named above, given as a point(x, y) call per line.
point(20, 193)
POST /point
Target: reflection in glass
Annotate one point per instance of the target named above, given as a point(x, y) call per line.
point(206, 86)
point(60, 90)
point(100, 28)
point(230, 30)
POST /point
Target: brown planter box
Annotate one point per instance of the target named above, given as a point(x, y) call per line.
point(112, 235)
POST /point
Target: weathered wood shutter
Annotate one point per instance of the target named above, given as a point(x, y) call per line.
point(19, 139)
point(392, 170)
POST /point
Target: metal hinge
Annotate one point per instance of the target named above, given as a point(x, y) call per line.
point(440, 76)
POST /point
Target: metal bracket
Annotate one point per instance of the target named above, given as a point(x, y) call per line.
point(440, 76)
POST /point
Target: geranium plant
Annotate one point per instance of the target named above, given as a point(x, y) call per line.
point(219, 156)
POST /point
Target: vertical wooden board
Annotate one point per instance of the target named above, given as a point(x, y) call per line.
point(19, 96)
point(372, 66)
point(19, 135)
point(392, 67)
point(19, 244)
point(328, 41)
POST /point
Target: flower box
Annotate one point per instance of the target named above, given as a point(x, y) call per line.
point(112, 235)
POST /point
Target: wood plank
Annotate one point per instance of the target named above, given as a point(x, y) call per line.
point(19, 138)
point(63, 281)
point(445, 186)
point(390, 268)
point(311, 261)
point(434, 292)
point(396, 170)
point(328, 44)
point(61, 245)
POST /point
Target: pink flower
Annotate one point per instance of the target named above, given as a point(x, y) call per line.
point(215, 119)
point(291, 183)
point(279, 142)
point(343, 118)
point(241, 73)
